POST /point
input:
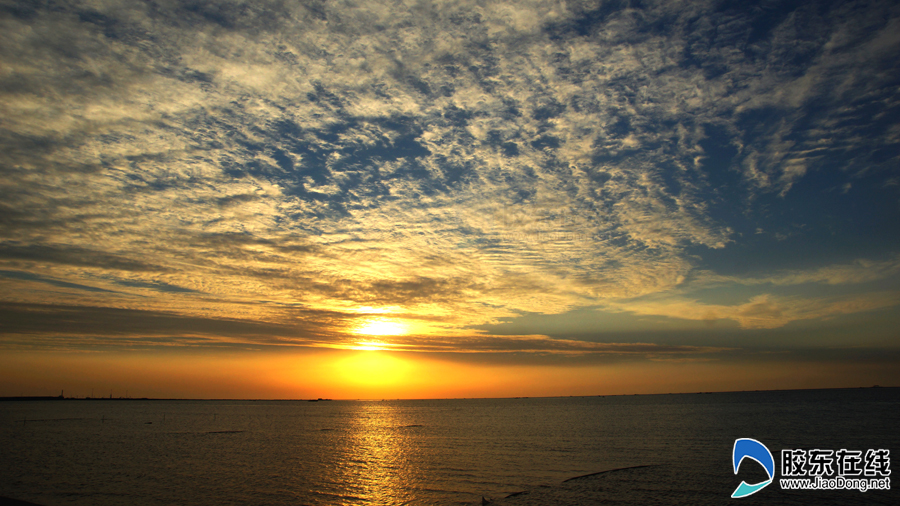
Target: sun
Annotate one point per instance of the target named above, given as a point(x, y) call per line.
point(381, 327)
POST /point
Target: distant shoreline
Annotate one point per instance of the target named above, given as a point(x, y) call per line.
point(61, 398)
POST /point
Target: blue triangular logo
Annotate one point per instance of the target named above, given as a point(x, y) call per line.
point(752, 449)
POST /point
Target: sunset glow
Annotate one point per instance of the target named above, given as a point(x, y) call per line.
point(289, 199)
point(372, 371)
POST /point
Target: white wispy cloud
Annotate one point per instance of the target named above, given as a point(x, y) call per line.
point(859, 271)
point(765, 311)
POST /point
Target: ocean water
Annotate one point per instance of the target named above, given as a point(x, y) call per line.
point(452, 452)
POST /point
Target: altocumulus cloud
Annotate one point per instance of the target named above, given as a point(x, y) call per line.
point(300, 166)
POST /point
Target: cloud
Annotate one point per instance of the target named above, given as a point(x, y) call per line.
point(859, 271)
point(74, 256)
point(78, 327)
point(462, 161)
point(765, 311)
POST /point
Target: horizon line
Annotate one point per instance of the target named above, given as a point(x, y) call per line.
point(320, 399)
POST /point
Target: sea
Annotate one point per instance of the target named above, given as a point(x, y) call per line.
point(637, 449)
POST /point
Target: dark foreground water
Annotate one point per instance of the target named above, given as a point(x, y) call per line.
point(430, 451)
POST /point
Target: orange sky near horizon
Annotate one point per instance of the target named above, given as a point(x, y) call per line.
point(350, 374)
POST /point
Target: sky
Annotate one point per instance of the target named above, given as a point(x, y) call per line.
point(421, 199)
